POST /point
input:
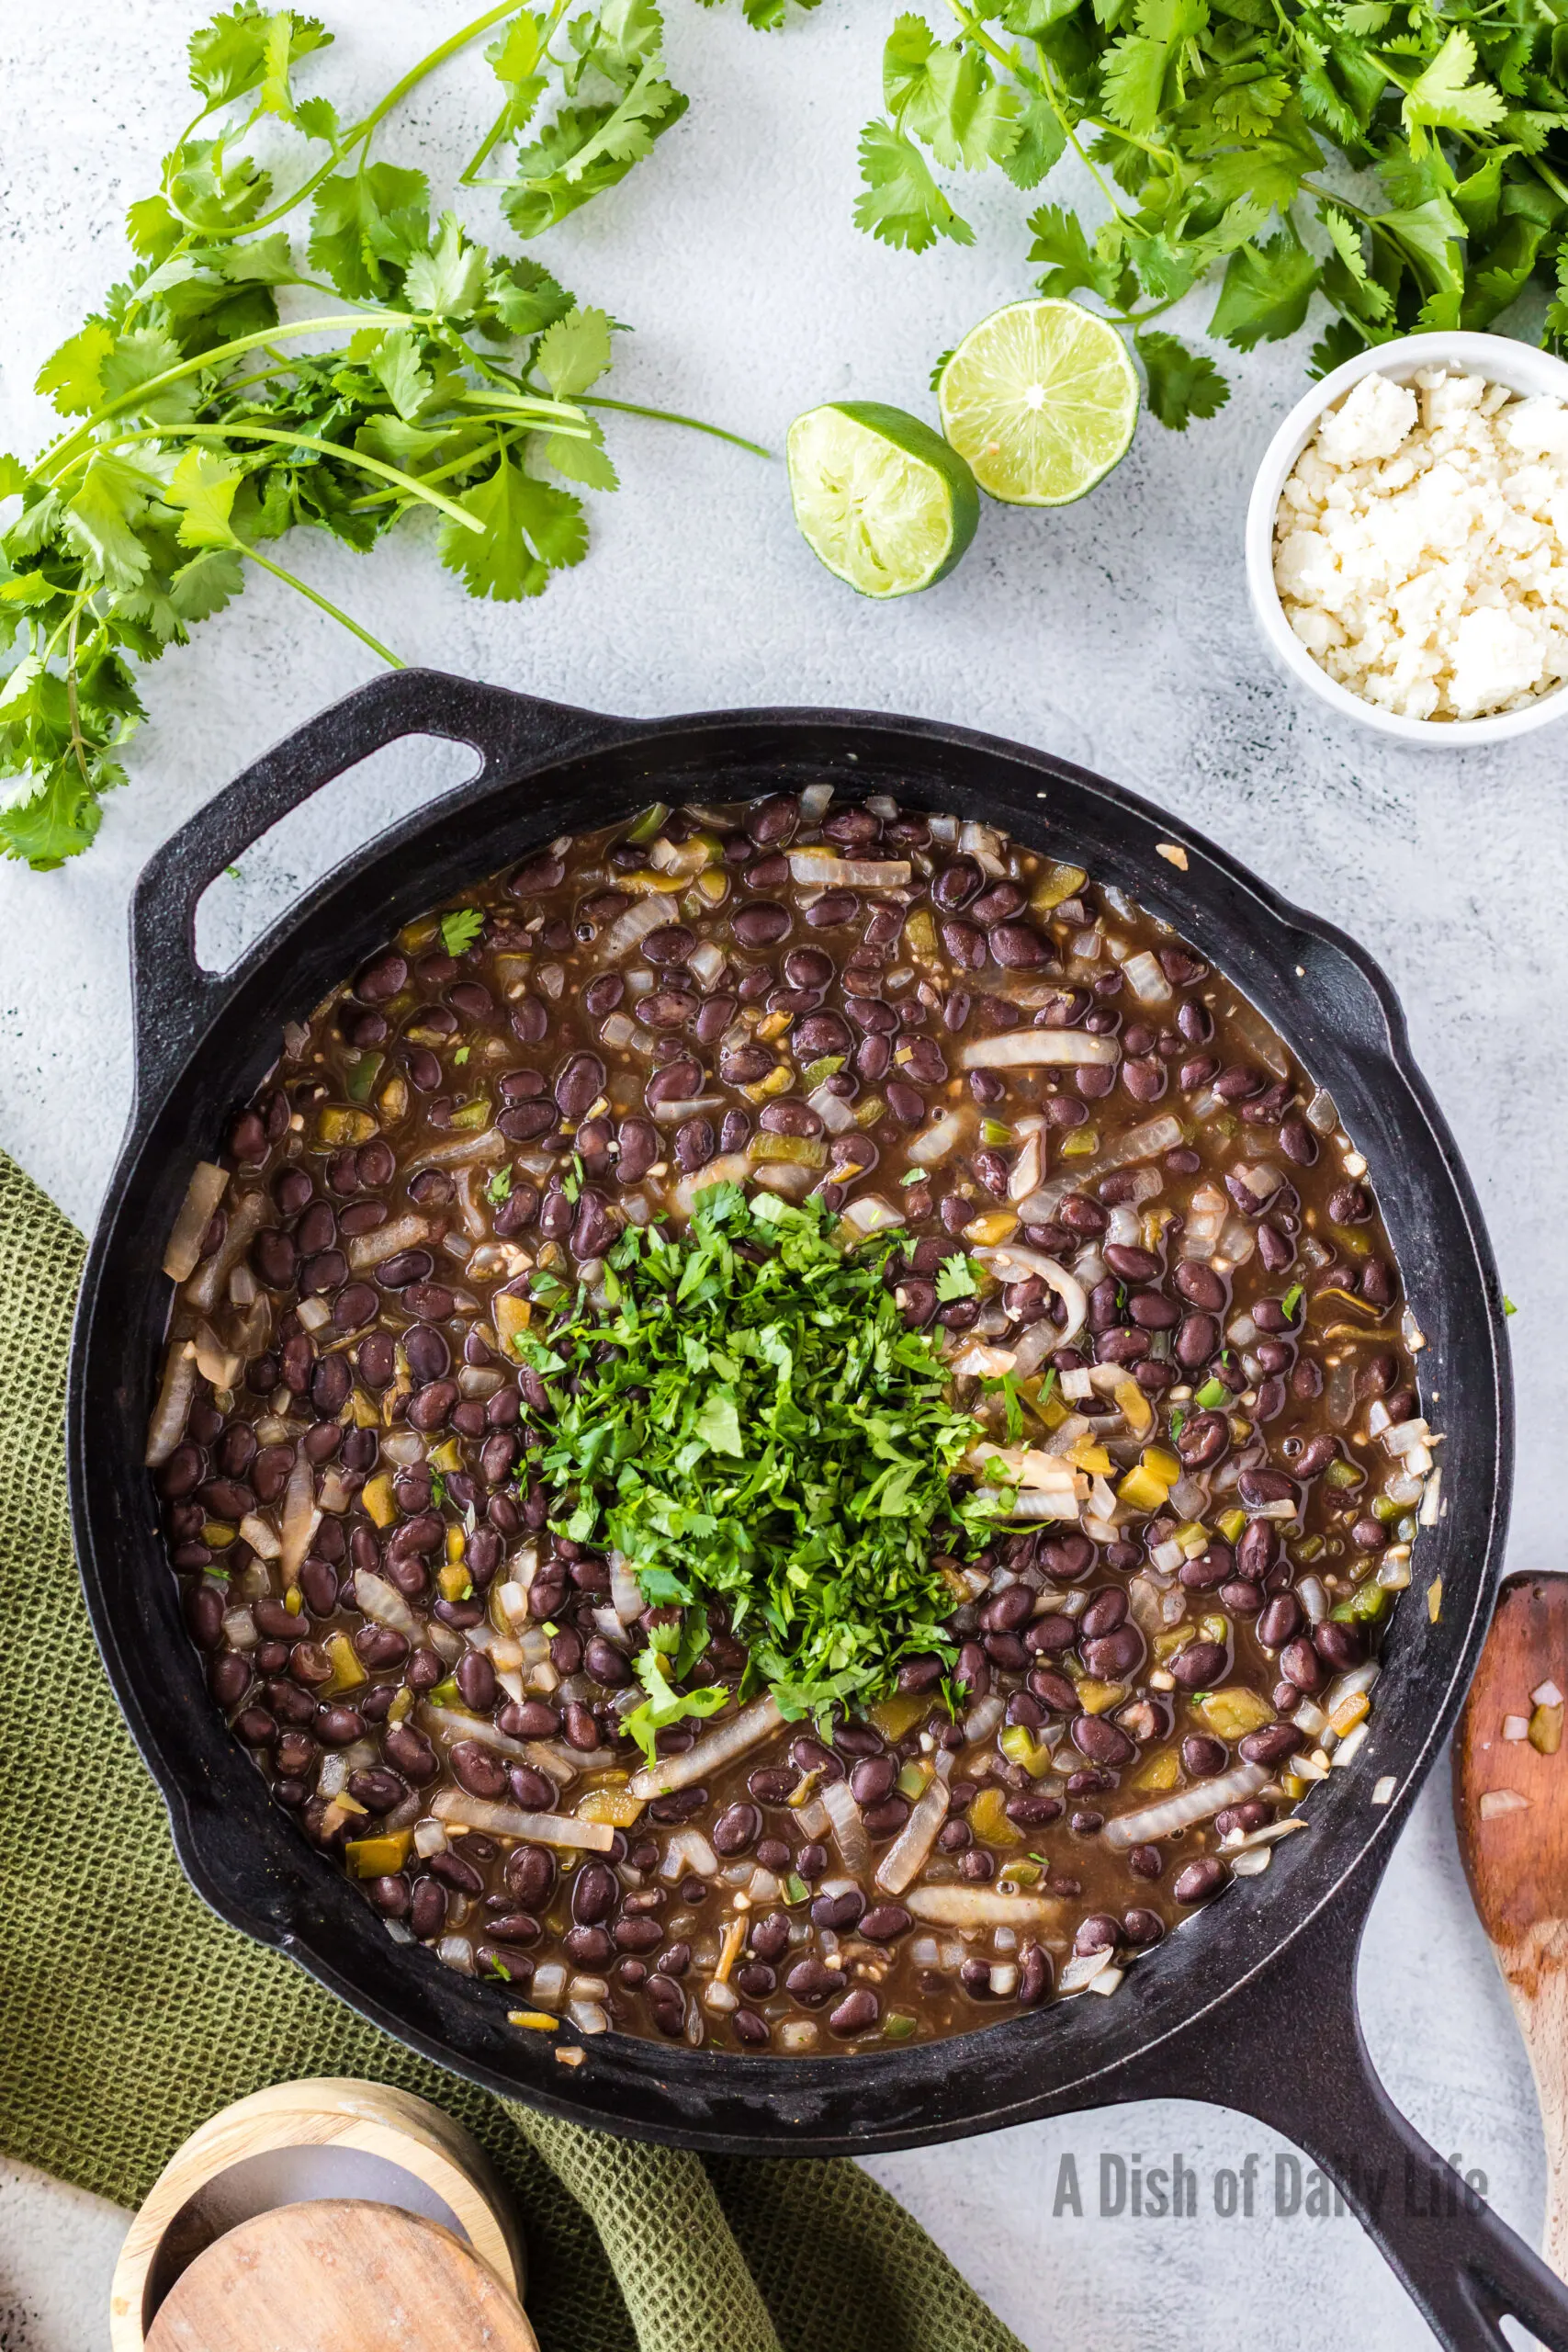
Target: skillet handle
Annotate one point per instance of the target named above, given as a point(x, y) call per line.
point(1287, 2064)
point(173, 998)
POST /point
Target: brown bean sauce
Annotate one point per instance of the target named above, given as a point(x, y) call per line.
point(1001, 1053)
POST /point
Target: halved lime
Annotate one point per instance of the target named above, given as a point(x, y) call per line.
point(1043, 401)
point(879, 497)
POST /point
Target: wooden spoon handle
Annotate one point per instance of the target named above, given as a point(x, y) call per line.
point(1511, 1808)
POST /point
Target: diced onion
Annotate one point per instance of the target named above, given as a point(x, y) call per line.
point(708, 962)
point(1037, 1049)
point(1206, 1217)
point(1496, 1801)
point(871, 1214)
point(625, 1590)
point(814, 869)
point(205, 1191)
point(939, 1142)
point(548, 1990)
point(814, 801)
point(1079, 1973)
point(1546, 1694)
point(688, 1851)
point(1027, 1168)
point(983, 1718)
point(456, 1952)
point(753, 1724)
point(983, 844)
point(835, 1113)
point(1146, 978)
point(509, 1820)
point(730, 1168)
point(240, 1629)
point(384, 1604)
point(630, 928)
point(1179, 1812)
point(1313, 1597)
point(588, 2016)
point(262, 1539)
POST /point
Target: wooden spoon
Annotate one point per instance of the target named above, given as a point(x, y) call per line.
point(1511, 1807)
point(339, 2275)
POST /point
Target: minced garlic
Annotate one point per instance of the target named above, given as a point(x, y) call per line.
point(1421, 544)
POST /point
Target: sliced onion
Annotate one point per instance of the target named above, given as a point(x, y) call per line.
point(939, 1142)
point(849, 1828)
point(262, 1539)
point(910, 1851)
point(171, 1410)
point(367, 1249)
point(490, 1145)
point(1265, 1044)
point(674, 1114)
point(510, 1821)
point(753, 1724)
point(1027, 1168)
point(205, 1191)
point(1037, 1049)
point(1179, 1812)
point(630, 929)
point(815, 869)
point(982, 1906)
point(625, 1590)
point(1018, 1255)
point(384, 1604)
point(300, 1519)
point(561, 1763)
point(983, 1718)
point(206, 1287)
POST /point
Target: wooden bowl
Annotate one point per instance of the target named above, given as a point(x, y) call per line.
point(183, 2213)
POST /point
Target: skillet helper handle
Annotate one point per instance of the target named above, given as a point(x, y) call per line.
point(1290, 2062)
point(173, 998)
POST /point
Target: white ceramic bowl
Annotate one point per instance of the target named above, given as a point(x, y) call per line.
point(1502, 361)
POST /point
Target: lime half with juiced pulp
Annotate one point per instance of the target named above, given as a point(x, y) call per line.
point(879, 497)
point(1041, 399)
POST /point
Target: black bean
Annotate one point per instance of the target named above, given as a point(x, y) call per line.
point(1199, 1880)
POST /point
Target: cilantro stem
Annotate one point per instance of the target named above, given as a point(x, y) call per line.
point(53, 460)
point(363, 130)
point(672, 416)
point(404, 482)
point(325, 604)
point(72, 702)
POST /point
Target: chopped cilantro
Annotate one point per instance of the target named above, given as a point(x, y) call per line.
point(438, 1489)
point(1178, 1420)
point(499, 1189)
point(955, 1279)
point(663, 1706)
point(461, 1055)
point(768, 1434)
point(572, 1182)
point(1508, 1306)
point(461, 928)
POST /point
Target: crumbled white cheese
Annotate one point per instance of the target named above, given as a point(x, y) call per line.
point(1421, 544)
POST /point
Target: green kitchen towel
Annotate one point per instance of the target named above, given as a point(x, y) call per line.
point(129, 2013)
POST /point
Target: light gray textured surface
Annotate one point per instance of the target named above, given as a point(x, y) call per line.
point(1115, 633)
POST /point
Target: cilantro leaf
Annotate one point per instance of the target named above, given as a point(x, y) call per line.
point(901, 203)
point(948, 96)
point(574, 352)
point(460, 929)
point(530, 529)
point(955, 1279)
point(1266, 291)
point(1447, 97)
point(1182, 384)
point(498, 1188)
point(758, 1428)
point(664, 1706)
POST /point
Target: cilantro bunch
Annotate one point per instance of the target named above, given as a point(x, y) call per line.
point(751, 1422)
point(200, 431)
point(1408, 165)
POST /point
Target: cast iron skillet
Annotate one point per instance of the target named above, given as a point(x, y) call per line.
point(1253, 2007)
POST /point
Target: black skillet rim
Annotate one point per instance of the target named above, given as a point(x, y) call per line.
point(253, 1867)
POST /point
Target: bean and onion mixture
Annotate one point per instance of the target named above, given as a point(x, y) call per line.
point(791, 1427)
